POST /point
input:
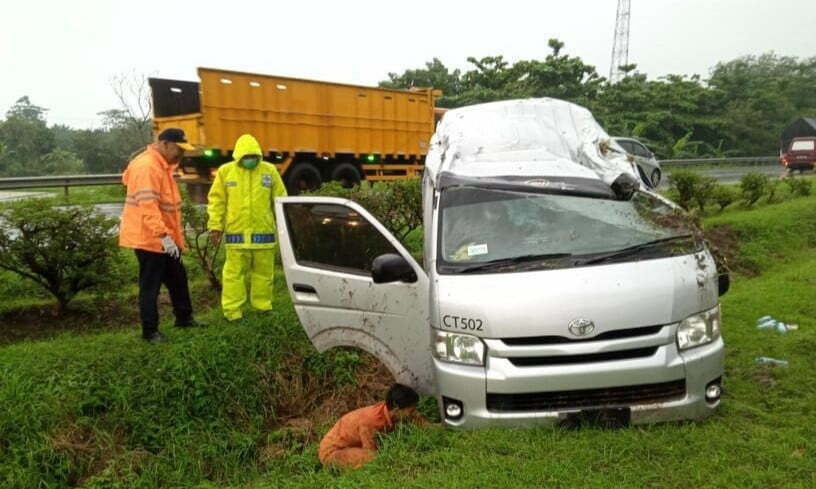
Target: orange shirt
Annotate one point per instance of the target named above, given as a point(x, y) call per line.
point(152, 205)
point(357, 429)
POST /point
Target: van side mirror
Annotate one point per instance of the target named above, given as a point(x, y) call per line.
point(392, 268)
point(724, 283)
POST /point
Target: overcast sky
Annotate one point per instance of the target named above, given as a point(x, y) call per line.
point(62, 53)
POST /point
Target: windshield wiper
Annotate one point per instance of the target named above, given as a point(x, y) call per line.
point(632, 250)
point(488, 265)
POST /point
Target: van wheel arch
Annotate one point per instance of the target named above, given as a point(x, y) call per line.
point(356, 338)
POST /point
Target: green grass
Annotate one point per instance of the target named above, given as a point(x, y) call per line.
point(106, 410)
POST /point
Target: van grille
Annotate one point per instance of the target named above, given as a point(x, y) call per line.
point(608, 335)
point(587, 398)
point(585, 358)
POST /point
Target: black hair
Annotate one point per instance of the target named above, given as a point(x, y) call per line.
point(401, 396)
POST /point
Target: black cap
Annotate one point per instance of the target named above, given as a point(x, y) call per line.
point(175, 135)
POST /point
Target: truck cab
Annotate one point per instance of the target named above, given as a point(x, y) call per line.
point(546, 292)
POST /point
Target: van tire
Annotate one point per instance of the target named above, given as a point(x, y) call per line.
point(347, 174)
point(303, 177)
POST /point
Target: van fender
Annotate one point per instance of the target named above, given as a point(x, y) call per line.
point(357, 338)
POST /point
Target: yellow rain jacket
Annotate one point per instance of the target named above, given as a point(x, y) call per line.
point(240, 200)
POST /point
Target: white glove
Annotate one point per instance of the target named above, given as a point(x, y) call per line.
point(170, 246)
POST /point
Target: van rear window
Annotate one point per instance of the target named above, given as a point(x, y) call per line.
point(803, 145)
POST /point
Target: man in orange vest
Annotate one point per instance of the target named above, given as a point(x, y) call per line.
point(151, 225)
point(350, 443)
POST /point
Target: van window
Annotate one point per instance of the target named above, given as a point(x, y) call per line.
point(803, 145)
point(481, 225)
point(334, 237)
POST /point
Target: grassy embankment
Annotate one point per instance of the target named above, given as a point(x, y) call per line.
point(226, 405)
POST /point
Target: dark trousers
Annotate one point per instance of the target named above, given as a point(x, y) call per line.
point(156, 269)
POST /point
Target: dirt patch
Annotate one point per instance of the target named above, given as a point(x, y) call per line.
point(313, 403)
point(724, 245)
point(764, 376)
point(87, 316)
point(92, 452)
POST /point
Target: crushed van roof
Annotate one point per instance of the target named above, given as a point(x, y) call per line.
point(531, 137)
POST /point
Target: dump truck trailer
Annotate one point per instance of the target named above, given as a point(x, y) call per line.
point(313, 131)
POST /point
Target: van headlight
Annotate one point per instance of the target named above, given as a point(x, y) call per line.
point(459, 348)
point(699, 329)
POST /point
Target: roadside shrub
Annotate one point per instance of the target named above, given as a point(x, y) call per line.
point(704, 191)
point(772, 187)
point(723, 196)
point(397, 205)
point(684, 183)
point(64, 250)
point(753, 186)
point(196, 235)
point(799, 186)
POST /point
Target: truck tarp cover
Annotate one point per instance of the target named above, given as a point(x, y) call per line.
point(535, 137)
point(800, 128)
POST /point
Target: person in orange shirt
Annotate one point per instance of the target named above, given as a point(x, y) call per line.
point(151, 225)
point(350, 443)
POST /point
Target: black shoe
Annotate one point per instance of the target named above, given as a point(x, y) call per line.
point(191, 323)
point(156, 337)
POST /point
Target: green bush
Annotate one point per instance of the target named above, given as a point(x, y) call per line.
point(799, 186)
point(753, 186)
point(63, 250)
point(723, 196)
point(397, 205)
point(684, 184)
point(704, 191)
point(771, 188)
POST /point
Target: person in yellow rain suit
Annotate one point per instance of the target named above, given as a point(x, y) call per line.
point(240, 210)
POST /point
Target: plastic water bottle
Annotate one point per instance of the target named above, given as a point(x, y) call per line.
point(768, 324)
point(781, 328)
point(770, 361)
point(764, 319)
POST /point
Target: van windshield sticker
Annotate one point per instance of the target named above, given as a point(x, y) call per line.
point(476, 250)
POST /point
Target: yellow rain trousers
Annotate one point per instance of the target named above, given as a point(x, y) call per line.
point(241, 206)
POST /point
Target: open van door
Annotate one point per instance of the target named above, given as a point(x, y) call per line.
point(328, 248)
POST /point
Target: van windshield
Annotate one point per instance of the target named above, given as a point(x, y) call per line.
point(491, 230)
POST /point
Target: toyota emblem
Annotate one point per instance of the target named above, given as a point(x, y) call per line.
point(581, 327)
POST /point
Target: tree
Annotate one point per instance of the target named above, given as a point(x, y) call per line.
point(435, 74)
point(132, 120)
point(64, 250)
point(25, 138)
point(61, 162)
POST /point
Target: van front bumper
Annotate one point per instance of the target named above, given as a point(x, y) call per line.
point(697, 368)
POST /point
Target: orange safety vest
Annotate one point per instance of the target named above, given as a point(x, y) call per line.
point(153, 203)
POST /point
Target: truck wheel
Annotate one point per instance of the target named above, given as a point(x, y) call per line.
point(303, 177)
point(347, 174)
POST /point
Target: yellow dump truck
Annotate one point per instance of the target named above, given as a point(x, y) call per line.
point(313, 131)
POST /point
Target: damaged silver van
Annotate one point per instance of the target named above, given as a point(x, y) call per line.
point(554, 284)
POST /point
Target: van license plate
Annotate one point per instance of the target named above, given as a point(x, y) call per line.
point(605, 418)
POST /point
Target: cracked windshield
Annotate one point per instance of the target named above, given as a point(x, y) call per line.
point(480, 226)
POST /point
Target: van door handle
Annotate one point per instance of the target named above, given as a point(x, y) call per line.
point(308, 289)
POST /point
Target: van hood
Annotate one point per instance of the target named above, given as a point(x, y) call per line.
point(542, 303)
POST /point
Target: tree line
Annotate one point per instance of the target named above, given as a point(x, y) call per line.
point(738, 110)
